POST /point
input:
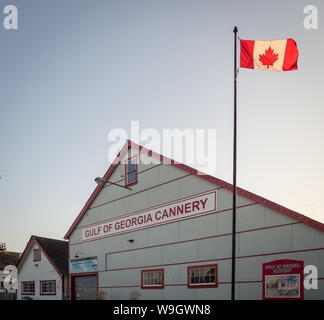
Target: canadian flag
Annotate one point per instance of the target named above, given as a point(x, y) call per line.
point(272, 55)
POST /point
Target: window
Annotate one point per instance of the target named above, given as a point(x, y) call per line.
point(36, 255)
point(28, 287)
point(1, 285)
point(152, 279)
point(47, 287)
point(202, 276)
point(131, 171)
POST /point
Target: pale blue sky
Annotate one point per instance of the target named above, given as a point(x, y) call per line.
point(76, 69)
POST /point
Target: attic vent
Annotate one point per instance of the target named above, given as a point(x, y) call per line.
point(2, 247)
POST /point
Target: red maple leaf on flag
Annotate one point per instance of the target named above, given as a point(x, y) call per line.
point(268, 58)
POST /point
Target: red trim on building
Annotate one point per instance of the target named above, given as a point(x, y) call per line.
point(40, 254)
point(30, 242)
point(185, 284)
point(155, 224)
point(200, 286)
point(135, 193)
point(213, 236)
point(24, 252)
point(74, 275)
point(152, 286)
point(153, 208)
point(129, 144)
point(214, 260)
point(50, 261)
point(123, 179)
point(27, 293)
point(97, 190)
point(200, 238)
point(136, 171)
point(47, 294)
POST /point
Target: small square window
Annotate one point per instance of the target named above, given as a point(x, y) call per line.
point(48, 287)
point(152, 279)
point(28, 287)
point(202, 276)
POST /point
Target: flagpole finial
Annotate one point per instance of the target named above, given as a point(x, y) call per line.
point(235, 29)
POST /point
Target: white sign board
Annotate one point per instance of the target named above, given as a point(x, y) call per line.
point(190, 207)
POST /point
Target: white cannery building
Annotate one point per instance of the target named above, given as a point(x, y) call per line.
point(166, 234)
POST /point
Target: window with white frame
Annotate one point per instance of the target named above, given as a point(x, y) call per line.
point(131, 171)
point(28, 287)
point(47, 287)
point(152, 279)
point(202, 276)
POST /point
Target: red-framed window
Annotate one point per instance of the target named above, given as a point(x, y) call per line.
point(28, 287)
point(152, 279)
point(131, 167)
point(202, 276)
point(37, 255)
point(47, 287)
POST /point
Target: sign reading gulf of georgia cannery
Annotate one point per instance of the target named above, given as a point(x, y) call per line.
point(194, 206)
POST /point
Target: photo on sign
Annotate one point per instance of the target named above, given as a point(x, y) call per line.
point(282, 286)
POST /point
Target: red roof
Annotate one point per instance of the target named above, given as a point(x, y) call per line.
point(129, 144)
